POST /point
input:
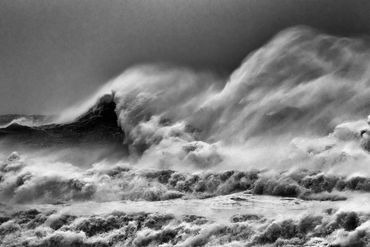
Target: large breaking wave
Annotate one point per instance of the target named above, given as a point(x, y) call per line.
point(290, 122)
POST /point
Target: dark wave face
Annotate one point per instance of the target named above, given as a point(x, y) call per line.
point(93, 136)
point(276, 155)
point(98, 124)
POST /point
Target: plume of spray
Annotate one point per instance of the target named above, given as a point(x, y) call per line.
point(285, 100)
point(301, 84)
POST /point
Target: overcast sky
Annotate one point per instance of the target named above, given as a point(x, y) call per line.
point(53, 52)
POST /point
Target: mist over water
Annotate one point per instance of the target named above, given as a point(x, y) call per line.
point(290, 122)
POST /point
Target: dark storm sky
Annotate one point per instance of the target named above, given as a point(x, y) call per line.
point(52, 52)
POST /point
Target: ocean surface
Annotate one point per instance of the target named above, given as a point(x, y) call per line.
point(277, 154)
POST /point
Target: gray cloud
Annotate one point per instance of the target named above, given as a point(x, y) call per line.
point(53, 52)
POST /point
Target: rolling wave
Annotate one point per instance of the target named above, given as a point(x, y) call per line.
point(302, 82)
point(98, 124)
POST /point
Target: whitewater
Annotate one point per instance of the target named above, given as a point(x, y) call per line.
point(277, 154)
